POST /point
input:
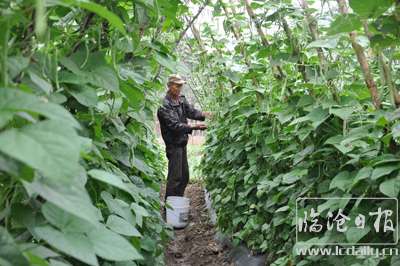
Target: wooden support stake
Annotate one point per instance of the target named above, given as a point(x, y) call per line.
point(362, 60)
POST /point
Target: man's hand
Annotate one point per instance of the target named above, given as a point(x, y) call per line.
point(208, 114)
point(199, 127)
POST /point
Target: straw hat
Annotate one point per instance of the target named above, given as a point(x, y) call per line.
point(175, 78)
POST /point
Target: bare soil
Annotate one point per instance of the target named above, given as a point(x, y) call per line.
point(195, 244)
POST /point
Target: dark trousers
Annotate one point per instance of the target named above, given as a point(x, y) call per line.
point(178, 171)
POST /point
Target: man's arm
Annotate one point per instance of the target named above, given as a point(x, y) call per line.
point(172, 120)
point(191, 112)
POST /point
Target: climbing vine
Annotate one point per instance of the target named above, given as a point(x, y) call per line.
point(79, 165)
point(306, 102)
point(304, 95)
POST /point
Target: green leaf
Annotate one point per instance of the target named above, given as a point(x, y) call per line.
point(39, 250)
point(318, 116)
point(109, 178)
point(100, 10)
point(342, 181)
point(85, 95)
point(383, 170)
point(71, 197)
point(391, 187)
point(76, 245)
point(282, 209)
point(395, 261)
point(121, 226)
point(165, 61)
point(64, 220)
point(127, 72)
point(5, 263)
point(396, 130)
point(299, 120)
point(103, 77)
point(370, 8)
point(9, 251)
point(140, 212)
point(363, 173)
point(35, 260)
point(16, 64)
point(58, 263)
point(353, 234)
point(141, 165)
point(134, 95)
point(71, 64)
point(337, 142)
point(333, 204)
point(293, 176)
point(329, 43)
point(51, 147)
point(343, 113)
point(381, 41)
point(118, 207)
point(386, 158)
point(13, 101)
point(305, 100)
point(112, 246)
point(126, 263)
point(95, 71)
point(345, 23)
point(41, 83)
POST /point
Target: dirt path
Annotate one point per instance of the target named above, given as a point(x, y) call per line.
point(195, 245)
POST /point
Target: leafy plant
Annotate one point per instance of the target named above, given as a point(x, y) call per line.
point(79, 164)
point(301, 113)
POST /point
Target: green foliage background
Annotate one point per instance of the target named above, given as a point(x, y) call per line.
point(305, 102)
point(308, 129)
point(79, 165)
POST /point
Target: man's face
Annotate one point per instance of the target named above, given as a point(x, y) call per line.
point(175, 89)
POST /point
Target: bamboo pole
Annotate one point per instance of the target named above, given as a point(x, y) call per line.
point(196, 35)
point(182, 34)
point(238, 37)
point(262, 35)
point(313, 27)
point(386, 71)
point(226, 11)
point(362, 60)
point(387, 75)
point(296, 48)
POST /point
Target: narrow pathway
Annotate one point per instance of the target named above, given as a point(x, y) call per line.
point(195, 245)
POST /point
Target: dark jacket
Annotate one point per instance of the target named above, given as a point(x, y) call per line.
point(173, 120)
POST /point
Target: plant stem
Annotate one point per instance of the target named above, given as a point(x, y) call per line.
point(362, 60)
point(4, 54)
point(261, 33)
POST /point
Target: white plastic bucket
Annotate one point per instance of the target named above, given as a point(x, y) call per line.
point(180, 201)
point(178, 215)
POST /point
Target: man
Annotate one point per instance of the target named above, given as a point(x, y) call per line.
point(173, 115)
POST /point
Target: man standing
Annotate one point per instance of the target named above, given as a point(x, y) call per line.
point(173, 115)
